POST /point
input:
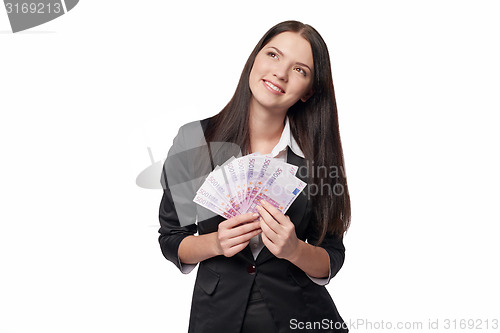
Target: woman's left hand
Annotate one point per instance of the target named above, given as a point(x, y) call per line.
point(278, 232)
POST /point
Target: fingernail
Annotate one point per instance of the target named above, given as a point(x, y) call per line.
point(263, 202)
point(258, 207)
point(255, 215)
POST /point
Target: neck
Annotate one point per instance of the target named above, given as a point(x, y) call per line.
point(265, 128)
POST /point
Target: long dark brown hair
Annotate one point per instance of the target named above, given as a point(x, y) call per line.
point(313, 123)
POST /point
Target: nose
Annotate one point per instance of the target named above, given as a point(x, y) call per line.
point(280, 72)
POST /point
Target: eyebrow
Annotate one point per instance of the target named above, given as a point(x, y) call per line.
point(298, 63)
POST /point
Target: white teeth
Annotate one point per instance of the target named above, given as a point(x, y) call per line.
point(273, 87)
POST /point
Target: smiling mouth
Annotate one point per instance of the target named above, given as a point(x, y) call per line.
point(273, 87)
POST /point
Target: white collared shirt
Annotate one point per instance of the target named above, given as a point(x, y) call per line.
point(279, 152)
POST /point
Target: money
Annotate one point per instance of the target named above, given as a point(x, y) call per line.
point(237, 186)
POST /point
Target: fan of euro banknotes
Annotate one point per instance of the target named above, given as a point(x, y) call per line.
point(237, 186)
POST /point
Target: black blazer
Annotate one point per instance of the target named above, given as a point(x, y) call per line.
point(223, 284)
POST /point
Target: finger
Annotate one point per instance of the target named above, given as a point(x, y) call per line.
point(239, 219)
point(278, 216)
point(234, 241)
point(233, 250)
point(270, 233)
point(268, 219)
point(247, 227)
point(267, 242)
point(242, 229)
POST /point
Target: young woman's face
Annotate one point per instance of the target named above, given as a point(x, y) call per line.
point(282, 72)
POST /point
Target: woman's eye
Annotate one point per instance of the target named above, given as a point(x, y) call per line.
point(272, 54)
point(301, 71)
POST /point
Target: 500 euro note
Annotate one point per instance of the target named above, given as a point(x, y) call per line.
point(280, 190)
point(238, 185)
point(266, 166)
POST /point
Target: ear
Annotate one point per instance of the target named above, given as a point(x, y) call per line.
point(307, 95)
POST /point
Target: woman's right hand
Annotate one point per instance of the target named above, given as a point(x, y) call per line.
point(235, 233)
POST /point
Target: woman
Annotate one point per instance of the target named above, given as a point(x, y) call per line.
point(264, 272)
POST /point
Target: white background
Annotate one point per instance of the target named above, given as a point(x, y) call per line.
point(82, 97)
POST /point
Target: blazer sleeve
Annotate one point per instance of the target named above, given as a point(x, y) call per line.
point(333, 245)
point(177, 212)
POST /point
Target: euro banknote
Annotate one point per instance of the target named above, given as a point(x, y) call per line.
point(237, 186)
